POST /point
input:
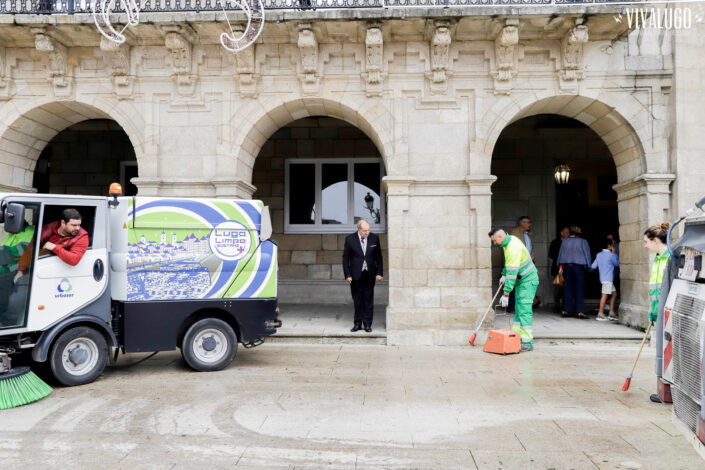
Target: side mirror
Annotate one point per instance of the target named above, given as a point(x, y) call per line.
point(14, 217)
point(265, 231)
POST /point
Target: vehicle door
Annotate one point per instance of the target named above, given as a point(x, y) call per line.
point(60, 289)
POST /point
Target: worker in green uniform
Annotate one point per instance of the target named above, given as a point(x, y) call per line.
point(655, 241)
point(11, 249)
point(519, 274)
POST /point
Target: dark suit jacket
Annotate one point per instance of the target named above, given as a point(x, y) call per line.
point(353, 257)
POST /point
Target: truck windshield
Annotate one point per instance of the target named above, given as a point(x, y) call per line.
point(16, 262)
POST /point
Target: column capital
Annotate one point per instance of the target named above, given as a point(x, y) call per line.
point(646, 183)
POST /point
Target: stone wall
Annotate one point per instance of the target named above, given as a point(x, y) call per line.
point(310, 265)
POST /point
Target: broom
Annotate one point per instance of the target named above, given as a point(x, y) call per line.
point(474, 335)
point(19, 386)
point(628, 382)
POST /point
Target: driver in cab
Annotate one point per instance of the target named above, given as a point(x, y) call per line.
point(65, 238)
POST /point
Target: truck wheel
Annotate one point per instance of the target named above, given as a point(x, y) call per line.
point(78, 356)
point(209, 344)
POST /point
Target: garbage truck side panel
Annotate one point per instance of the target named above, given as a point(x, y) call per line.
point(177, 259)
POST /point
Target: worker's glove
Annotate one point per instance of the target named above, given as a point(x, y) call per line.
point(501, 280)
point(504, 301)
point(653, 316)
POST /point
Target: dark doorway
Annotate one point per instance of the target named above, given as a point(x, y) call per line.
point(85, 158)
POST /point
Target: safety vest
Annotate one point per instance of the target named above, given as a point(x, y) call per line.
point(16, 243)
point(517, 262)
point(657, 270)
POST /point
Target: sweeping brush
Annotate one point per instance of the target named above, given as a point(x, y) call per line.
point(19, 386)
point(628, 381)
point(474, 335)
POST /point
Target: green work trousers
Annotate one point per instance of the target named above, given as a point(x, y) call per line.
point(524, 292)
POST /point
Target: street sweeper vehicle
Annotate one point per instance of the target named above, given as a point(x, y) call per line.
point(156, 274)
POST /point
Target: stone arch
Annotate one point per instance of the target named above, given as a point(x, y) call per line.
point(637, 141)
point(262, 118)
point(26, 129)
point(621, 121)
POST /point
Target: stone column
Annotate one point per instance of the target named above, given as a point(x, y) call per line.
point(642, 202)
point(439, 260)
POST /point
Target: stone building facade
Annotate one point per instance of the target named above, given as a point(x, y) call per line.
point(432, 89)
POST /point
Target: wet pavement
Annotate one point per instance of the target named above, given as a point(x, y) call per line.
point(359, 407)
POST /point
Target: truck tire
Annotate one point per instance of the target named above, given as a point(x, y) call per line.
point(78, 356)
point(209, 344)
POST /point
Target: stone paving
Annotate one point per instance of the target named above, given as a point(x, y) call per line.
point(359, 407)
point(328, 323)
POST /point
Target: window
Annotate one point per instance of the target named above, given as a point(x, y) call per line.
point(332, 195)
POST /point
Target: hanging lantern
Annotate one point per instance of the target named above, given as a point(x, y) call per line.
point(562, 174)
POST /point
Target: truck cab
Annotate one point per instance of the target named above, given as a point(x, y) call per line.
point(208, 287)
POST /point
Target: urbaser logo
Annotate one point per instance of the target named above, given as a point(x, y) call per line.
point(64, 289)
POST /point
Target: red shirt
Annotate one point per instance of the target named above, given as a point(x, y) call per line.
point(69, 249)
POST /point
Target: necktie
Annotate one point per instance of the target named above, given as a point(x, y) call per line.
point(363, 242)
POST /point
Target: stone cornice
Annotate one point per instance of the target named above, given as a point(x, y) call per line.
point(651, 183)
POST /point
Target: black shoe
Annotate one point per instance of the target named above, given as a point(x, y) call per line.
point(655, 398)
point(355, 328)
point(368, 329)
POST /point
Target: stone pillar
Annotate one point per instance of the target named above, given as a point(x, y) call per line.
point(643, 201)
point(439, 260)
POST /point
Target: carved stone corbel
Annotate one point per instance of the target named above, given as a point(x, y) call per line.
point(245, 66)
point(373, 60)
point(308, 51)
point(6, 91)
point(181, 51)
point(572, 69)
point(117, 61)
point(440, 46)
point(505, 57)
point(58, 61)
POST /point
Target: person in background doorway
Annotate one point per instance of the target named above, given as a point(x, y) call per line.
point(519, 274)
point(553, 250)
point(362, 265)
point(606, 262)
point(574, 257)
point(655, 242)
point(523, 232)
point(615, 239)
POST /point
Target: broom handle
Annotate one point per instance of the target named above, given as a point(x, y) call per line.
point(648, 328)
point(501, 284)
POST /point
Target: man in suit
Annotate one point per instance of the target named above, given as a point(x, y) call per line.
point(362, 265)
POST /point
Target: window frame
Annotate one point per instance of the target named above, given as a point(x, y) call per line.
point(317, 226)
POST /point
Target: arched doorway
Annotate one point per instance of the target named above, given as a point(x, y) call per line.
point(85, 158)
point(320, 175)
point(85, 144)
point(524, 158)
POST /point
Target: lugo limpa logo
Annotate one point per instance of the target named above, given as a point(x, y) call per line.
point(64, 289)
point(230, 241)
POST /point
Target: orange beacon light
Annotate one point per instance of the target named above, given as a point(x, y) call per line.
point(115, 191)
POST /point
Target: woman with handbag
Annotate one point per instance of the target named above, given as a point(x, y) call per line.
point(573, 259)
point(553, 250)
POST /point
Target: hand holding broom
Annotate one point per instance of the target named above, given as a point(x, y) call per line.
point(627, 382)
point(474, 335)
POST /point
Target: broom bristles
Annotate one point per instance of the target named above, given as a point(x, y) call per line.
point(472, 339)
point(627, 382)
point(21, 390)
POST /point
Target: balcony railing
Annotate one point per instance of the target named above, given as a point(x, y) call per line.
point(69, 7)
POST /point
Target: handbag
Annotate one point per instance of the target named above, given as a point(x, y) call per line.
point(558, 280)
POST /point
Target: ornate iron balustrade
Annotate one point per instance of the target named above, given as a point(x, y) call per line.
point(69, 7)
